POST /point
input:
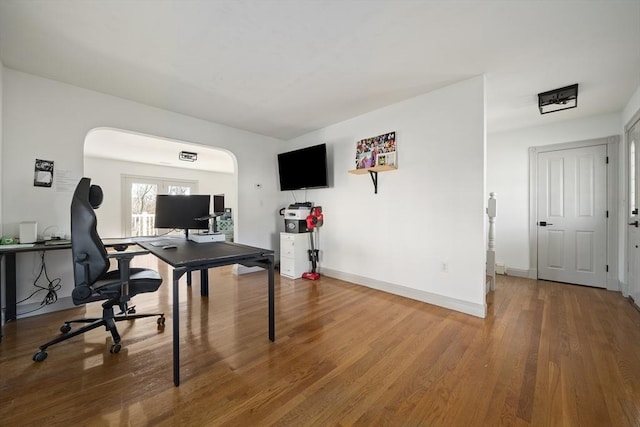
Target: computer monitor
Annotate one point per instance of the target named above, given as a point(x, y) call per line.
point(181, 211)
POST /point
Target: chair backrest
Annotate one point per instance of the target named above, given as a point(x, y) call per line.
point(85, 242)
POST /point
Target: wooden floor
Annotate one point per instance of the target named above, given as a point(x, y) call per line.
point(547, 354)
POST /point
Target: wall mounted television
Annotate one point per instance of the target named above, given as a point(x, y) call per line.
point(180, 211)
point(303, 168)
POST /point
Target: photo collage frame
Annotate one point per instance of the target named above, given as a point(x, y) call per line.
point(376, 151)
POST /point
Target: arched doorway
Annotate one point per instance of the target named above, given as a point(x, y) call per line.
point(130, 166)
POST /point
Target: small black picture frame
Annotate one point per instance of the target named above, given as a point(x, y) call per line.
point(43, 173)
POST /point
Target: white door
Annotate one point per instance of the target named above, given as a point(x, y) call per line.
point(572, 211)
point(633, 232)
point(140, 201)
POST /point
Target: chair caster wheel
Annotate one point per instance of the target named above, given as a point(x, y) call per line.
point(160, 321)
point(40, 356)
point(131, 310)
point(115, 348)
point(65, 328)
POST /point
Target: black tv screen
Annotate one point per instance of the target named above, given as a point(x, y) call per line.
point(181, 211)
point(304, 168)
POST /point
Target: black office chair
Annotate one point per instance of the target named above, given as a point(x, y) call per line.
point(93, 280)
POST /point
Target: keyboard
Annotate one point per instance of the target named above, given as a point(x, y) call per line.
point(17, 246)
point(56, 242)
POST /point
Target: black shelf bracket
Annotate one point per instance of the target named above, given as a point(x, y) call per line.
point(374, 178)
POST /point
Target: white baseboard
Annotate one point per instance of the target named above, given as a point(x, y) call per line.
point(478, 310)
point(517, 272)
point(239, 269)
point(28, 310)
point(613, 284)
point(624, 289)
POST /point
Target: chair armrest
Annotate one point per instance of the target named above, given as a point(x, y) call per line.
point(126, 254)
point(124, 264)
point(82, 291)
point(118, 243)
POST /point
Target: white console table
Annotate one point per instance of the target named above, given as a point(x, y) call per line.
point(294, 258)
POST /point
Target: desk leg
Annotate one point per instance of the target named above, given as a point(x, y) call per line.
point(272, 306)
point(176, 326)
point(204, 282)
point(189, 278)
point(10, 273)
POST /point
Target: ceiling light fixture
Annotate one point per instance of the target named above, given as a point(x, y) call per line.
point(558, 99)
point(188, 156)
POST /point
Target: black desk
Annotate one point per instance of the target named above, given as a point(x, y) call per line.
point(9, 254)
point(189, 256)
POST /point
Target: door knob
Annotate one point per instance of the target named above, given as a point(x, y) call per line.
point(544, 223)
point(634, 223)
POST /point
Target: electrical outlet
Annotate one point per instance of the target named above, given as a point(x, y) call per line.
point(258, 186)
point(444, 267)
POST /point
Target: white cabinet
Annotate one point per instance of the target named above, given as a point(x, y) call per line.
point(294, 258)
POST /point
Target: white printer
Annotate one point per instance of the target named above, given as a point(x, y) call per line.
point(295, 217)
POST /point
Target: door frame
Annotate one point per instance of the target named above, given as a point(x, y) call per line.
point(625, 276)
point(612, 143)
point(126, 193)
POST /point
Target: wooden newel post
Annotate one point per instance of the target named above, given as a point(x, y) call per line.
point(492, 212)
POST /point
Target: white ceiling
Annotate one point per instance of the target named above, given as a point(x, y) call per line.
point(118, 145)
point(284, 68)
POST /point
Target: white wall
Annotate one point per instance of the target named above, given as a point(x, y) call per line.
point(49, 120)
point(2, 286)
point(632, 107)
point(108, 174)
point(428, 212)
point(1, 133)
point(508, 176)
